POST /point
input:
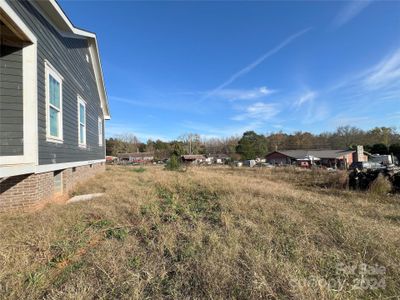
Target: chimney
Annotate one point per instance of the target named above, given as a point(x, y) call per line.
point(360, 153)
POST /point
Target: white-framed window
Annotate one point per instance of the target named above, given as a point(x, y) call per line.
point(100, 125)
point(81, 122)
point(54, 114)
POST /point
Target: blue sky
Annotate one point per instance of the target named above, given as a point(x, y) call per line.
point(221, 68)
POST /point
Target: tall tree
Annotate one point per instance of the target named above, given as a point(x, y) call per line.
point(395, 150)
point(383, 135)
point(379, 149)
point(252, 145)
point(276, 141)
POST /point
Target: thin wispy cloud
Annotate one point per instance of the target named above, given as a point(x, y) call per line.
point(341, 119)
point(231, 94)
point(394, 116)
point(120, 129)
point(258, 111)
point(350, 11)
point(146, 103)
point(379, 82)
point(385, 73)
point(368, 89)
point(242, 94)
point(309, 96)
point(316, 113)
point(258, 61)
point(223, 131)
point(128, 101)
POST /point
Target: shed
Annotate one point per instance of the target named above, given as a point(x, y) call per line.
point(136, 157)
point(193, 158)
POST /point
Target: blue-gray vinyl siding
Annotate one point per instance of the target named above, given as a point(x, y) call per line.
point(11, 101)
point(68, 57)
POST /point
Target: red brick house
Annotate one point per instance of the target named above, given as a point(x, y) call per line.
point(329, 158)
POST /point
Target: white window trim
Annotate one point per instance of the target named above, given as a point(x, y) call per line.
point(50, 70)
point(100, 131)
point(83, 102)
point(29, 71)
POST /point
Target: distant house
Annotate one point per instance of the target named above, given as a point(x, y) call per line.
point(53, 103)
point(111, 159)
point(220, 158)
point(193, 158)
point(306, 158)
point(138, 157)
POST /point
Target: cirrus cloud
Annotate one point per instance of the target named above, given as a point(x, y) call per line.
point(243, 94)
point(350, 11)
point(385, 73)
point(309, 96)
point(258, 111)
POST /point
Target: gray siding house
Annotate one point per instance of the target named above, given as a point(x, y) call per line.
point(53, 103)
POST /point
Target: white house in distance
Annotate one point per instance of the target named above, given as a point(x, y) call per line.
point(53, 103)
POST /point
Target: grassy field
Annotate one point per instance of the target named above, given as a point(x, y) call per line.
point(207, 233)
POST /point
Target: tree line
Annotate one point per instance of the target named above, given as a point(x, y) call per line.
point(378, 140)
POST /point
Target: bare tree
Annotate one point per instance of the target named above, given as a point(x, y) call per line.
point(191, 141)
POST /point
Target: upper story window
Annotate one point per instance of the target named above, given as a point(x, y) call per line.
point(81, 122)
point(100, 125)
point(54, 118)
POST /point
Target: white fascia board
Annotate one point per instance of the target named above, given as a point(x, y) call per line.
point(32, 169)
point(98, 72)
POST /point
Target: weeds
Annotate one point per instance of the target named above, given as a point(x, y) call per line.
point(139, 170)
point(134, 263)
point(380, 186)
point(98, 224)
point(34, 278)
point(117, 233)
point(217, 233)
point(66, 273)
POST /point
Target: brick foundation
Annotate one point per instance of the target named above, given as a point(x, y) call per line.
point(31, 190)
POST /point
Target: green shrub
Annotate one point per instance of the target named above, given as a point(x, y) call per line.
point(134, 262)
point(139, 170)
point(173, 164)
point(117, 233)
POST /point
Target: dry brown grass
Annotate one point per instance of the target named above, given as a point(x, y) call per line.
point(380, 186)
point(207, 233)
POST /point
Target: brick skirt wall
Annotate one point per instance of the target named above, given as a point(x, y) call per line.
point(31, 190)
